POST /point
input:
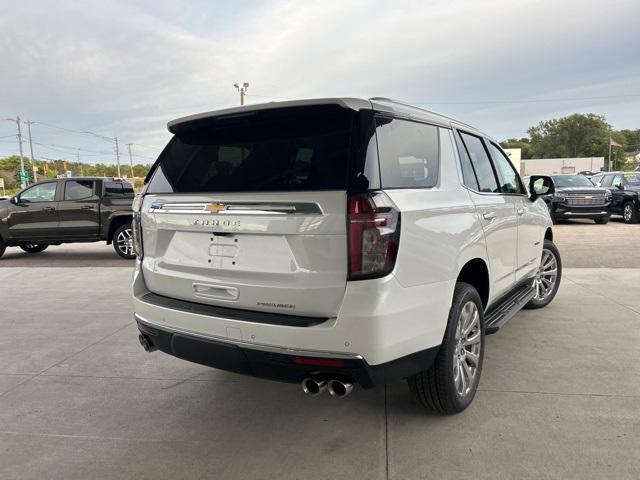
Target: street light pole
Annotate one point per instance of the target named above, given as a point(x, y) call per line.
point(242, 89)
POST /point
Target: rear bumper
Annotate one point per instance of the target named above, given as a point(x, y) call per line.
point(279, 363)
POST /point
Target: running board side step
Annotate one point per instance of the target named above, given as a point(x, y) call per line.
point(502, 312)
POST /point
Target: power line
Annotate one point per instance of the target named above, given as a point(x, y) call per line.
point(81, 132)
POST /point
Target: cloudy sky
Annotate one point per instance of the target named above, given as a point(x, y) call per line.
point(125, 68)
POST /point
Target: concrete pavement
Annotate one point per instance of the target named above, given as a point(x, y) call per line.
point(79, 398)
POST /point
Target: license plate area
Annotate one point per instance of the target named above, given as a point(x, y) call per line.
point(230, 252)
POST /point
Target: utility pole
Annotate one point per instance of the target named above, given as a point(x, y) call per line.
point(78, 157)
point(610, 152)
point(242, 89)
point(130, 158)
point(33, 160)
point(117, 155)
point(23, 183)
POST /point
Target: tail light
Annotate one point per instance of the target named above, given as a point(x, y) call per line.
point(374, 235)
point(136, 227)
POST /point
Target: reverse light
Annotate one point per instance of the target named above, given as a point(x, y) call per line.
point(374, 235)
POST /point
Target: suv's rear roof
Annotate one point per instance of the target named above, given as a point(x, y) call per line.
point(378, 104)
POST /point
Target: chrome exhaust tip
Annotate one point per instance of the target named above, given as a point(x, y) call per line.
point(146, 343)
point(313, 387)
point(339, 389)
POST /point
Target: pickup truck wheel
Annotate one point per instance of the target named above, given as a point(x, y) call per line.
point(123, 241)
point(33, 247)
point(629, 213)
point(451, 383)
point(547, 279)
point(3, 247)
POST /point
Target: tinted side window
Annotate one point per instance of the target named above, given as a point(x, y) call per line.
point(481, 163)
point(408, 153)
point(606, 181)
point(617, 180)
point(468, 175)
point(78, 189)
point(113, 188)
point(510, 179)
point(45, 192)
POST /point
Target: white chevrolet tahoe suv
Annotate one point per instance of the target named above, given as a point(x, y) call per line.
point(338, 242)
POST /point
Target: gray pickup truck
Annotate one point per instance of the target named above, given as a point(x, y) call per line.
point(69, 210)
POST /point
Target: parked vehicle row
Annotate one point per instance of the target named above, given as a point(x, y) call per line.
point(339, 242)
point(597, 198)
point(69, 210)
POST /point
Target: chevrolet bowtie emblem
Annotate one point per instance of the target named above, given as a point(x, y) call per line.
point(214, 207)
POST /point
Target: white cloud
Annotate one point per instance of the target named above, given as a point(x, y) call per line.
point(127, 69)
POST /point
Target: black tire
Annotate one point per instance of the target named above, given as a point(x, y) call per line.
point(125, 250)
point(539, 303)
point(602, 220)
point(3, 247)
point(436, 387)
point(632, 217)
point(33, 247)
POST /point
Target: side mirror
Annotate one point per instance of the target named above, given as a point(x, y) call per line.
point(15, 200)
point(540, 185)
point(619, 186)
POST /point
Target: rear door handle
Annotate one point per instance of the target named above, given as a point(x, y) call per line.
point(86, 207)
point(522, 210)
point(489, 216)
point(49, 209)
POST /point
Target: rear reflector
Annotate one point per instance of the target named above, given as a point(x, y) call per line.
point(374, 235)
point(318, 362)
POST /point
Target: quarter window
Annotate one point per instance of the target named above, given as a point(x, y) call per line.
point(45, 192)
point(481, 163)
point(78, 189)
point(408, 153)
point(468, 175)
point(510, 179)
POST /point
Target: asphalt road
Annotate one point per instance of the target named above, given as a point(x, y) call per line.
point(79, 398)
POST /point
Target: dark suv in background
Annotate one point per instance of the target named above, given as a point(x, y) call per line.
point(576, 197)
point(624, 188)
point(69, 210)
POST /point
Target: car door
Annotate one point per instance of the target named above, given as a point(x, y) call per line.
point(530, 221)
point(617, 194)
point(79, 210)
point(34, 214)
point(497, 213)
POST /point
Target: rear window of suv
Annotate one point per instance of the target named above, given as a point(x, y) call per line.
point(287, 149)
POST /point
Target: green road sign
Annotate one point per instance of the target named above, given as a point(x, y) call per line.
point(24, 176)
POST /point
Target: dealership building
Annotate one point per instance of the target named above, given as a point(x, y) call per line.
point(548, 166)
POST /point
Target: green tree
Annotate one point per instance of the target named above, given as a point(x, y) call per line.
point(524, 144)
point(577, 135)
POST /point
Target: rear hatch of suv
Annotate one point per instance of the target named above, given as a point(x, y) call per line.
point(248, 210)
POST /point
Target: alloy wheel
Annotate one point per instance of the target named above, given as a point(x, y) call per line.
point(545, 279)
point(125, 241)
point(466, 354)
point(628, 213)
